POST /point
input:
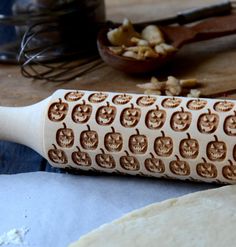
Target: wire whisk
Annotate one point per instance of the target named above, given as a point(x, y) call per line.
point(59, 37)
point(53, 48)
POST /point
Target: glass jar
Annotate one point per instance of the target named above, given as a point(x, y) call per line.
point(68, 27)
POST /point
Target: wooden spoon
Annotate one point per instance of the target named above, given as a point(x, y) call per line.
point(174, 35)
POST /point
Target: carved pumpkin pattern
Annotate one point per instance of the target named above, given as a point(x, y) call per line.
point(130, 116)
point(206, 170)
point(106, 114)
point(81, 113)
point(208, 122)
point(57, 156)
point(57, 111)
point(74, 96)
point(121, 99)
point(65, 137)
point(223, 106)
point(196, 104)
point(181, 120)
point(89, 139)
point(129, 163)
point(163, 145)
point(115, 132)
point(113, 141)
point(189, 148)
point(105, 160)
point(138, 144)
point(97, 97)
point(81, 158)
point(171, 102)
point(229, 171)
point(146, 100)
point(230, 125)
point(216, 150)
point(154, 165)
point(180, 167)
point(155, 119)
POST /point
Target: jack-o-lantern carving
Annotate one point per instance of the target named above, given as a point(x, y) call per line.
point(229, 171)
point(97, 97)
point(163, 145)
point(81, 113)
point(146, 100)
point(113, 141)
point(206, 170)
point(154, 165)
point(234, 152)
point(105, 160)
point(106, 114)
point(81, 158)
point(89, 139)
point(57, 156)
point(121, 99)
point(65, 137)
point(130, 116)
point(155, 119)
point(196, 104)
point(230, 125)
point(129, 163)
point(171, 102)
point(189, 148)
point(74, 96)
point(223, 106)
point(181, 120)
point(57, 111)
point(216, 150)
point(138, 144)
point(208, 122)
point(179, 167)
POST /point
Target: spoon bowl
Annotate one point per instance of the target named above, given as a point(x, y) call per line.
point(177, 36)
point(126, 64)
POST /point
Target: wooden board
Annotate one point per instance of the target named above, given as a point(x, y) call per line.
point(211, 62)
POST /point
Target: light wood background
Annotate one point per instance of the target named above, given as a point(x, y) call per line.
point(211, 62)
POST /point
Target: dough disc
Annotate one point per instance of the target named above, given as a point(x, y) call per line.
point(199, 219)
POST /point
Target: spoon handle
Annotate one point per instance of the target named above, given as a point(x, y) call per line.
point(215, 27)
point(207, 29)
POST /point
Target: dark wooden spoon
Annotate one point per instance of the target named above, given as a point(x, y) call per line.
point(174, 35)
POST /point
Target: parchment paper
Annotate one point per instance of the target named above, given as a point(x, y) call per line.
point(59, 208)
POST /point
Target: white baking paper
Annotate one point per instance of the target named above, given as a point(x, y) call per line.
point(59, 208)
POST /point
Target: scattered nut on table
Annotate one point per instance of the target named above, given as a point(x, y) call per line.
point(194, 93)
point(171, 87)
point(149, 43)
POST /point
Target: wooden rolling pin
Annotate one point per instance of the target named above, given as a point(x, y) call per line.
point(159, 136)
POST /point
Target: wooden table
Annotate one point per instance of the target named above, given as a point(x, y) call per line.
point(211, 62)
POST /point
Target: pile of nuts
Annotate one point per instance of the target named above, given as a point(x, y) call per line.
point(149, 43)
point(171, 87)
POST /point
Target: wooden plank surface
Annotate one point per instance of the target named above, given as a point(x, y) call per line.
point(211, 62)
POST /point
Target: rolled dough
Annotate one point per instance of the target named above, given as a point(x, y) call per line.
point(199, 219)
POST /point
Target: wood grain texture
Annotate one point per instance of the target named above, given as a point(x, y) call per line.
point(211, 62)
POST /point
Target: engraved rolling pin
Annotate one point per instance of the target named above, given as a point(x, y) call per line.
point(159, 136)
